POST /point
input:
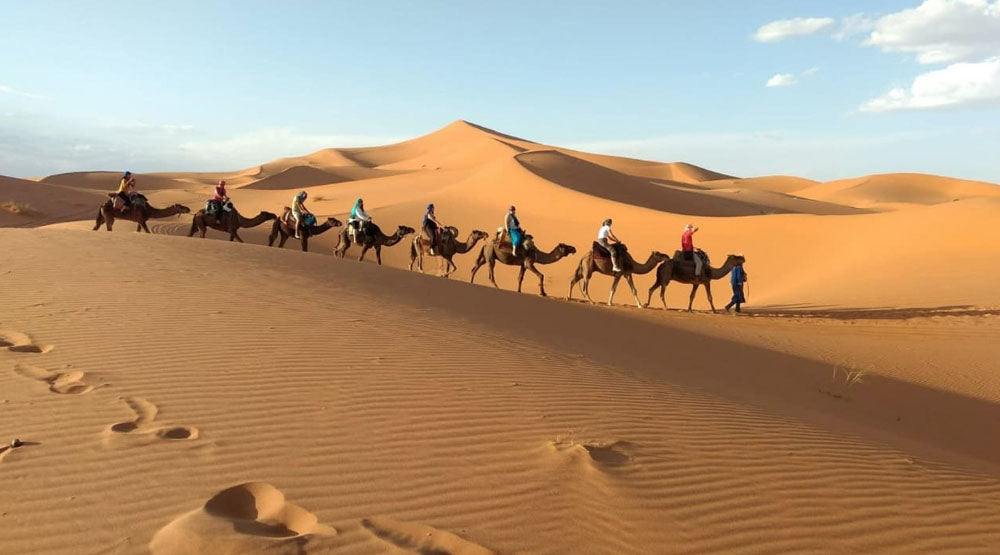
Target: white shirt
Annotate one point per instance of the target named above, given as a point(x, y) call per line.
point(603, 233)
point(360, 215)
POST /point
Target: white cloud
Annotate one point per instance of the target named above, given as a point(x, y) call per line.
point(958, 84)
point(786, 28)
point(782, 80)
point(11, 90)
point(853, 25)
point(143, 127)
point(37, 144)
point(811, 70)
point(941, 31)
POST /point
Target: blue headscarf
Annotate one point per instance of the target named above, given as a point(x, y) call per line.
point(354, 211)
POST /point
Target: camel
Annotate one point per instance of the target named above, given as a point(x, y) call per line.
point(285, 227)
point(447, 248)
point(140, 212)
point(597, 260)
point(499, 251)
point(680, 270)
point(372, 237)
point(230, 223)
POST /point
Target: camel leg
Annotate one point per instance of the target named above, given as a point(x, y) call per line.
point(143, 226)
point(236, 236)
point(694, 289)
point(708, 291)
point(492, 263)
point(364, 249)
point(193, 230)
point(281, 242)
point(520, 277)
point(573, 281)
point(635, 293)
point(378, 254)
point(585, 286)
point(541, 279)
point(413, 256)
point(663, 298)
point(138, 228)
point(475, 267)
point(614, 287)
point(99, 220)
point(305, 243)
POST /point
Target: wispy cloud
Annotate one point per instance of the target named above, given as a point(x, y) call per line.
point(143, 127)
point(956, 85)
point(787, 28)
point(782, 80)
point(6, 89)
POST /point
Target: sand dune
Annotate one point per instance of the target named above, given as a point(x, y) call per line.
point(26, 203)
point(300, 177)
point(786, 184)
point(177, 395)
point(357, 426)
point(899, 189)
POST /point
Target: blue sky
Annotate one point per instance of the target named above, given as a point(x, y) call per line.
point(867, 87)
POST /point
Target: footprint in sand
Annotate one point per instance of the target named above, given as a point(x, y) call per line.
point(255, 517)
point(418, 538)
point(17, 342)
point(64, 383)
point(248, 518)
point(141, 425)
point(596, 455)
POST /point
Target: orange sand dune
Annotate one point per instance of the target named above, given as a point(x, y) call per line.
point(26, 203)
point(395, 411)
point(179, 394)
point(899, 189)
point(299, 177)
point(108, 181)
point(786, 184)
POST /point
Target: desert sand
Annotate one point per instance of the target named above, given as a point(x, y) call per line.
point(187, 395)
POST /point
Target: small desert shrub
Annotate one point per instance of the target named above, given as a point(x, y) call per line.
point(19, 208)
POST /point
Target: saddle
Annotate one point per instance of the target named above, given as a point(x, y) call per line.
point(688, 266)
point(600, 252)
point(286, 218)
point(217, 209)
point(138, 201)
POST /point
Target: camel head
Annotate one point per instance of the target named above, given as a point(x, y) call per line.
point(334, 222)
point(659, 256)
point(735, 259)
point(404, 230)
point(181, 209)
point(477, 235)
point(565, 250)
point(269, 215)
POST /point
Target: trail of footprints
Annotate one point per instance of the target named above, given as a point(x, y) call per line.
point(253, 516)
point(74, 382)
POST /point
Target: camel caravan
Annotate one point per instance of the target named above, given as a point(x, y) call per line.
point(510, 245)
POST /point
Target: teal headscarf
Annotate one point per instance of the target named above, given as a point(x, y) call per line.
point(354, 211)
